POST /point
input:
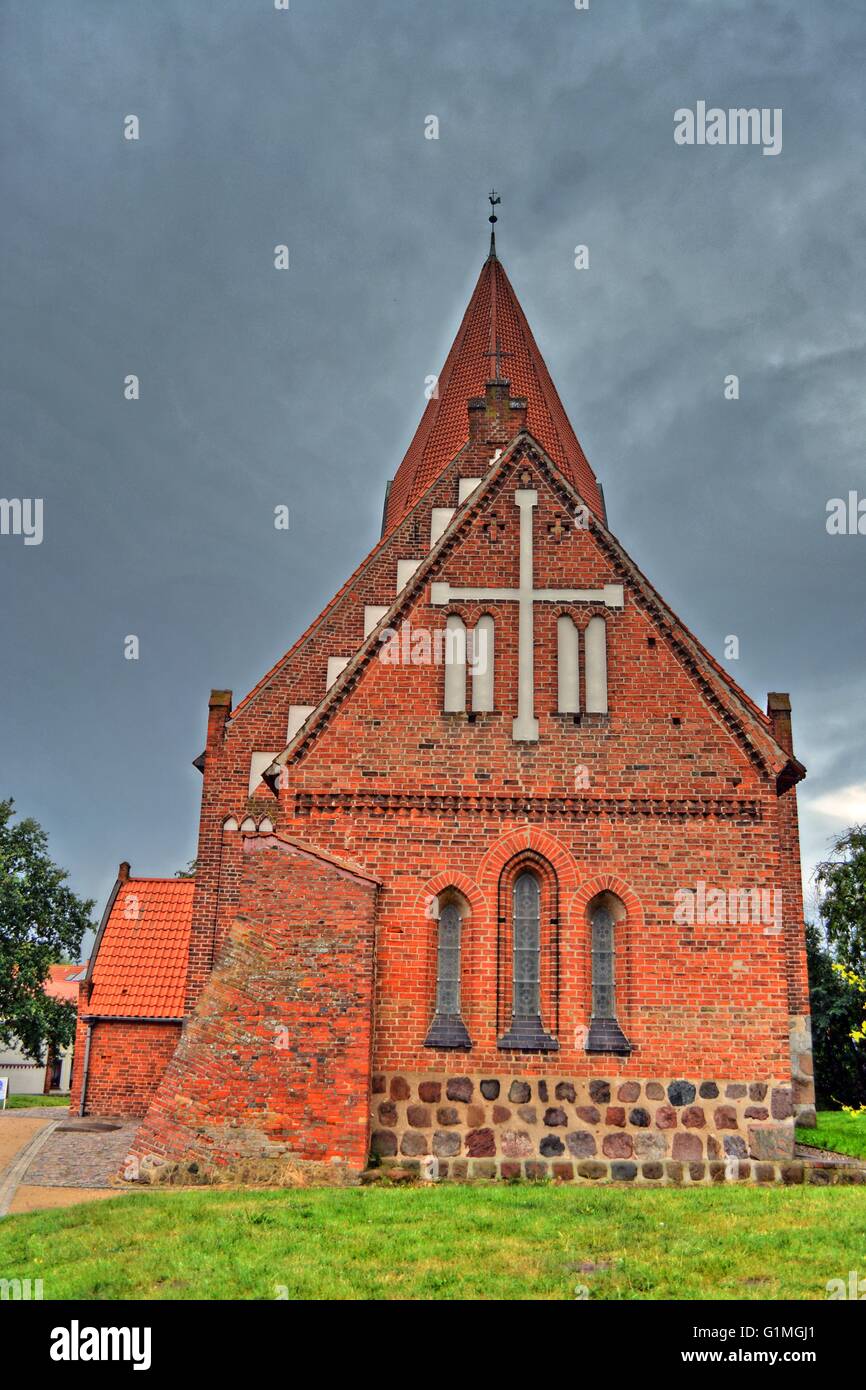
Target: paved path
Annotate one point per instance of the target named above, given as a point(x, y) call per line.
point(76, 1156)
point(20, 1156)
point(49, 1158)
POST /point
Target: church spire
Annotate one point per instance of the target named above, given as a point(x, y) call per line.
point(494, 340)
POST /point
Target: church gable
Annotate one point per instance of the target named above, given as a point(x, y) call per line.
point(522, 633)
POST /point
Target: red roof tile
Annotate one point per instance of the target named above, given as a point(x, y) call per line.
point(62, 982)
point(493, 312)
point(141, 961)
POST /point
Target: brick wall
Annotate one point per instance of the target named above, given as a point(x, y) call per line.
point(274, 1064)
point(127, 1062)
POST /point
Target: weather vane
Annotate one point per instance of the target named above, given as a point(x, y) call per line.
point(494, 199)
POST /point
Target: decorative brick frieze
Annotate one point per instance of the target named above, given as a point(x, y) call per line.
point(481, 804)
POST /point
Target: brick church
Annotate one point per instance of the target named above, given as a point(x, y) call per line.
point(498, 868)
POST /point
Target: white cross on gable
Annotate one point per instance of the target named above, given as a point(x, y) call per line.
point(525, 726)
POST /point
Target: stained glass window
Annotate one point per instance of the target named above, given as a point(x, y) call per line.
point(448, 964)
point(527, 947)
point(603, 994)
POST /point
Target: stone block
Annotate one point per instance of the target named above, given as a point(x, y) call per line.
point(681, 1093)
point(589, 1114)
point(771, 1143)
point(687, 1147)
point(459, 1088)
point(515, 1143)
point(593, 1170)
point(617, 1146)
point(551, 1146)
point(581, 1143)
point(446, 1143)
point(481, 1143)
point(781, 1106)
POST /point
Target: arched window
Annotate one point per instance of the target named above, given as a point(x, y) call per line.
point(482, 664)
point(448, 1031)
point(455, 665)
point(526, 1031)
point(596, 666)
point(448, 960)
point(605, 1033)
point(603, 986)
point(567, 666)
point(527, 947)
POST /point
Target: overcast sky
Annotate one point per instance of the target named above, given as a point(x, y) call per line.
point(260, 127)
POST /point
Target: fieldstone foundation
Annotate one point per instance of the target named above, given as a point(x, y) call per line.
point(802, 1070)
point(675, 1130)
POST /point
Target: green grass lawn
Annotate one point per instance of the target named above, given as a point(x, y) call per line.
point(29, 1102)
point(448, 1242)
point(837, 1131)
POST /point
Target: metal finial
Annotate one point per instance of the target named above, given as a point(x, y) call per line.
point(494, 200)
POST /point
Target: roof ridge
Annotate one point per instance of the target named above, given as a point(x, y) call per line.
point(145, 878)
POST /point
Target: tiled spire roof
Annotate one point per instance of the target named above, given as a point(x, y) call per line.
point(494, 313)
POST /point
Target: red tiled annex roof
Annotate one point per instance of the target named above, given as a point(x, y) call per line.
point(141, 962)
point(493, 313)
point(62, 982)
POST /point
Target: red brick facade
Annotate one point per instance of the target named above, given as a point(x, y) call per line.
point(683, 782)
point(126, 1064)
point(275, 1063)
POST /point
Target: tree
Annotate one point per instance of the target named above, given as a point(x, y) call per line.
point(841, 883)
point(837, 1009)
point(189, 871)
point(41, 921)
point(858, 1034)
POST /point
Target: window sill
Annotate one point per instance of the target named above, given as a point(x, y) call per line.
point(448, 1033)
point(605, 1035)
point(527, 1035)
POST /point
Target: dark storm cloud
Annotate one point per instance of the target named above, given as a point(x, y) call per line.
point(260, 388)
